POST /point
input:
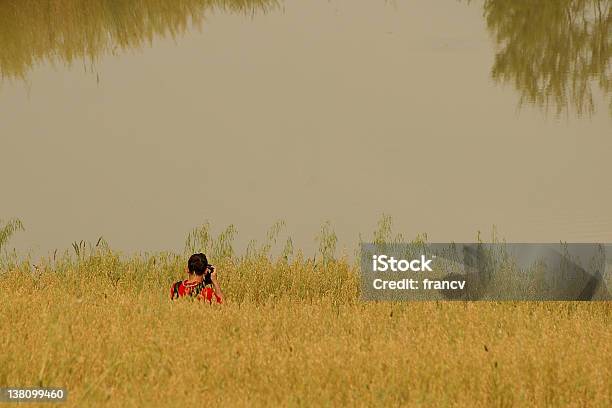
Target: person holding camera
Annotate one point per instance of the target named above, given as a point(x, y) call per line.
point(201, 282)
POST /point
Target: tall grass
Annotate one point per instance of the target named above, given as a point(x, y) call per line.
point(292, 333)
point(8, 229)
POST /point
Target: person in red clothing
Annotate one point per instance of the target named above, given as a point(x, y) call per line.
point(201, 283)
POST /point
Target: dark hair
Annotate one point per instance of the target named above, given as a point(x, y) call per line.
point(197, 264)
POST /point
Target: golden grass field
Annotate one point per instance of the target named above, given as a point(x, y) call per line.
point(292, 333)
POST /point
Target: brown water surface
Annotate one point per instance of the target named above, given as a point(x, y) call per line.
point(138, 120)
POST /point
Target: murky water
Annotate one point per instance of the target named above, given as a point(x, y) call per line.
point(139, 120)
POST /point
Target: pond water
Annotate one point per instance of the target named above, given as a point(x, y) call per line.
point(139, 120)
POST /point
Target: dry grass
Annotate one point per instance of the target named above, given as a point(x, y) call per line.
point(104, 328)
point(292, 333)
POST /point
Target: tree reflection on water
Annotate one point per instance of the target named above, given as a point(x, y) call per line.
point(554, 52)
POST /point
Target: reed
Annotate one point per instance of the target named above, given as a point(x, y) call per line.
point(292, 333)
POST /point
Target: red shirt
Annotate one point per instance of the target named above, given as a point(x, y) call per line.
point(195, 290)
